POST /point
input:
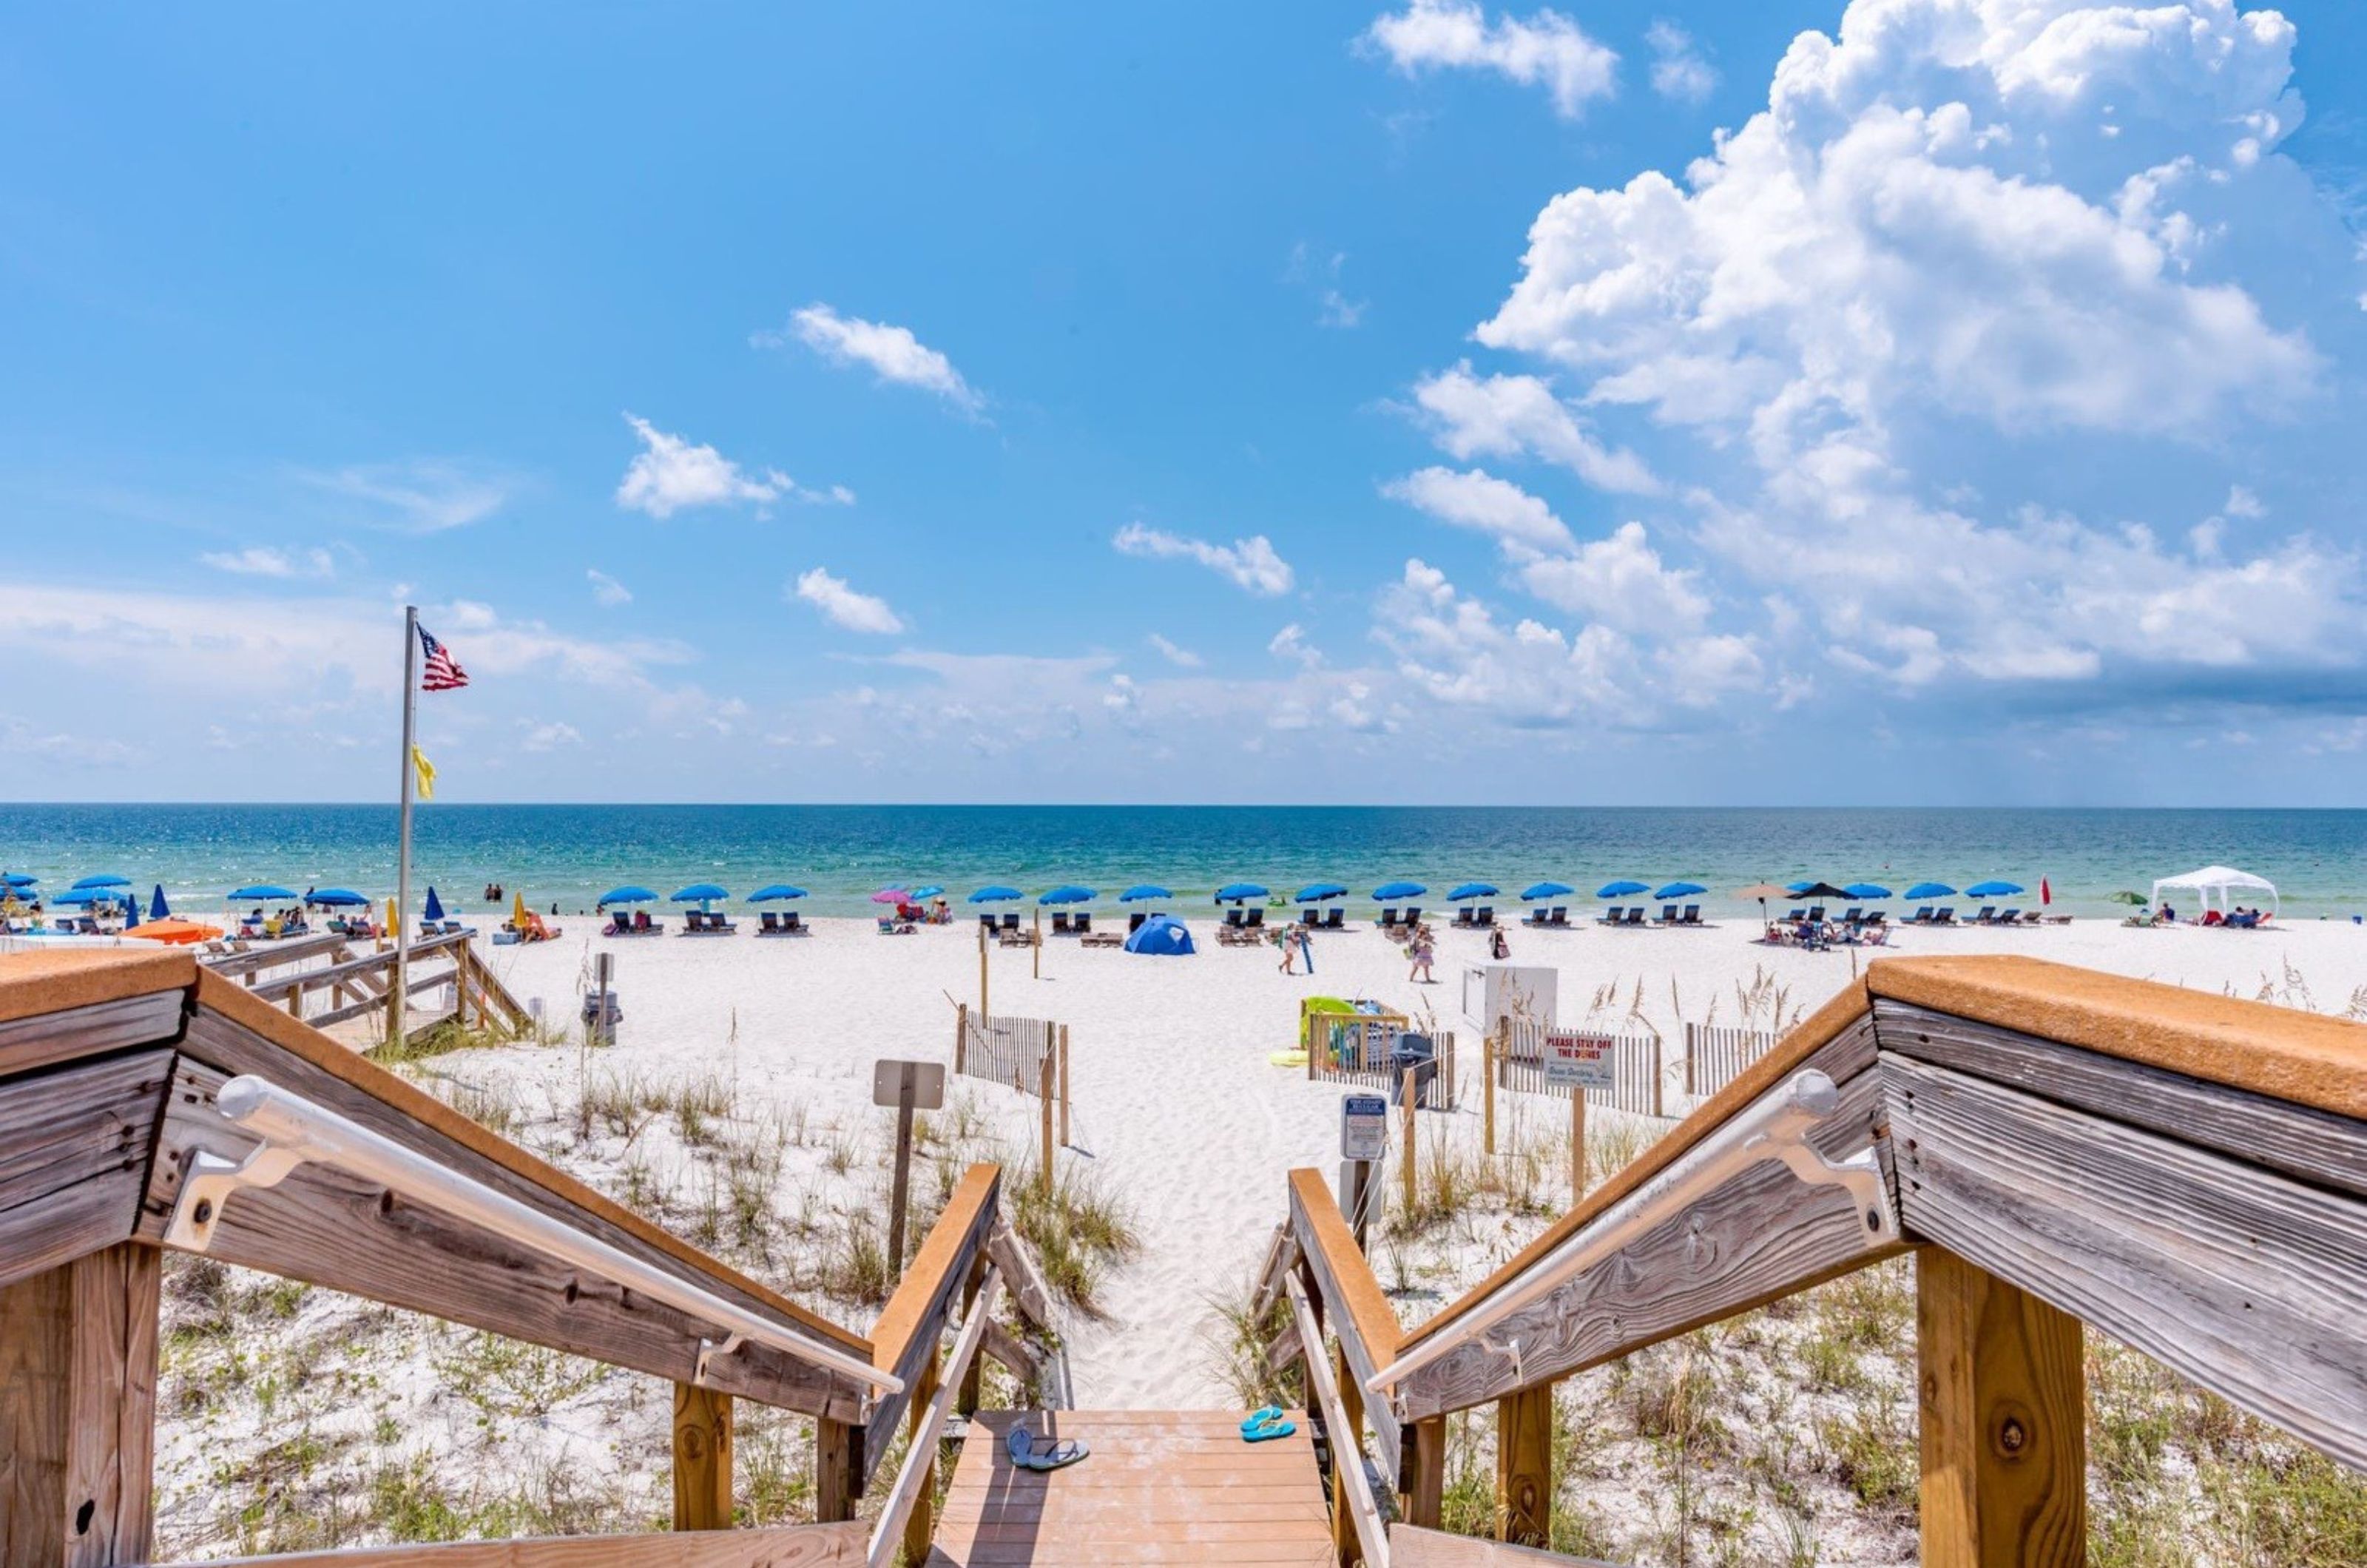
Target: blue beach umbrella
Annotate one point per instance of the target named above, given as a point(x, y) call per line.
point(1866, 890)
point(1622, 889)
point(263, 892)
point(132, 917)
point(1680, 890)
point(1931, 890)
point(87, 883)
point(1138, 894)
point(1389, 892)
point(335, 898)
point(701, 893)
point(625, 894)
point(1547, 890)
point(931, 891)
point(776, 890)
point(1993, 890)
point(1068, 893)
point(434, 910)
point(81, 897)
point(1472, 890)
point(1239, 892)
point(1316, 892)
point(157, 909)
point(997, 894)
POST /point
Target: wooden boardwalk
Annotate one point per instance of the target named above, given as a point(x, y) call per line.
point(1161, 1486)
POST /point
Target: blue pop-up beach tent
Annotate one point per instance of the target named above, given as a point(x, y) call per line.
point(1163, 936)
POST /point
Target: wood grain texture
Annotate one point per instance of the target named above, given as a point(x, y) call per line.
point(33, 984)
point(233, 1032)
point(1413, 1546)
point(35, 1380)
point(332, 1229)
point(838, 1485)
point(1422, 1478)
point(43, 1039)
point(1524, 1488)
point(702, 1459)
point(2317, 1146)
point(262, 956)
point(905, 1337)
point(1020, 1275)
point(1764, 1234)
point(790, 1546)
point(1357, 1534)
point(1354, 1305)
point(922, 1433)
point(74, 1147)
point(112, 1406)
point(2004, 1422)
point(2246, 1281)
point(1347, 1450)
point(1837, 1039)
point(381, 964)
point(2307, 1058)
point(1161, 1487)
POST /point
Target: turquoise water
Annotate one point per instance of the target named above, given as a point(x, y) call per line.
point(569, 854)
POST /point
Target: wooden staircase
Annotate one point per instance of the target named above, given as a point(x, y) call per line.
point(1161, 1486)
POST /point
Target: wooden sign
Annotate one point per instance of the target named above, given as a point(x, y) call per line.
point(1579, 1060)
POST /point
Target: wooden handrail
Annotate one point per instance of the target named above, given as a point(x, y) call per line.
point(1357, 1309)
point(906, 1333)
point(888, 1534)
point(278, 988)
point(1347, 1441)
point(783, 1546)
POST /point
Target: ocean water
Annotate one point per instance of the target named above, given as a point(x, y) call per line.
point(571, 854)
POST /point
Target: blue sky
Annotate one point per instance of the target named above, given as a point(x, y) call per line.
point(1898, 401)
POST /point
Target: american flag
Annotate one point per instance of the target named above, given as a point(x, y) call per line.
point(441, 672)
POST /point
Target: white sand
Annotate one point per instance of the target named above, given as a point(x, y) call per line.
point(1175, 1101)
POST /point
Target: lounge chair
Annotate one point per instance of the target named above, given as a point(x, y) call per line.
point(1060, 923)
point(1921, 917)
point(1234, 917)
point(1946, 916)
point(1988, 917)
point(1693, 916)
point(1795, 917)
point(1668, 915)
point(1256, 920)
point(1535, 917)
point(2011, 917)
point(1083, 925)
point(1010, 924)
point(986, 924)
point(643, 925)
point(1635, 916)
point(1310, 915)
point(1487, 916)
point(771, 924)
point(1462, 917)
point(1816, 914)
point(693, 923)
point(1134, 921)
point(1388, 919)
point(791, 925)
point(1877, 919)
point(1612, 916)
point(1413, 915)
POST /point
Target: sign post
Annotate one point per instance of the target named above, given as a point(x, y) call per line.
point(907, 1086)
point(1364, 1139)
point(1578, 1062)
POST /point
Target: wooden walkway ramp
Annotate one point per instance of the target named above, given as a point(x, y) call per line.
point(1161, 1486)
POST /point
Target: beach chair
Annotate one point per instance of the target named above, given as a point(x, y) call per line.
point(1560, 915)
point(1466, 917)
point(1816, 914)
point(1256, 922)
point(986, 924)
point(1693, 916)
point(791, 925)
point(1487, 916)
point(1134, 921)
point(1084, 924)
point(1389, 921)
point(1988, 917)
point(1635, 916)
point(1946, 916)
point(693, 923)
point(1612, 916)
point(1413, 915)
point(2011, 917)
point(1337, 921)
point(1878, 921)
point(1234, 917)
point(1921, 917)
point(1668, 915)
point(643, 925)
point(1060, 923)
point(1010, 925)
point(1796, 915)
point(1854, 916)
point(1535, 917)
point(1310, 915)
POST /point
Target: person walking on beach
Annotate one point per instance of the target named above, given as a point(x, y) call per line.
point(1288, 940)
point(1423, 953)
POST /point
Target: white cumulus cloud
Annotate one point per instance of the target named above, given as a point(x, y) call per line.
point(842, 606)
point(893, 353)
point(672, 472)
point(1546, 49)
point(1480, 500)
point(1251, 563)
point(1505, 416)
point(606, 589)
point(1679, 71)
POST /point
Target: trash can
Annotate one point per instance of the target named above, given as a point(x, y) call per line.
point(601, 1021)
point(1416, 1052)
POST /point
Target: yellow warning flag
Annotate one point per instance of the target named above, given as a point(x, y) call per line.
point(425, 771)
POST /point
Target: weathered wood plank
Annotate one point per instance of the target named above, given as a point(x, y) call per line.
point(2004, 1422)
point(1355, 1308)
point(1020, 1275)
point(1423, 1486)
point(368, 964)
point(36, 1382)
point(1413, 1546)
point(274, 955)
point(307, 1063)
point(27, 1044)
point(1764, 1234)
point(111, 1414)
point(2317, 1146)
point(1525, 1424)
point(905, 1337)
point(1012, 1352)
point(838, 1485)
point(74, 1147)
point(790, 1546)
point(2250, 1283)
point(332, 1229)
point(1351, 1494)
point(414, 982)
point(702, 1459)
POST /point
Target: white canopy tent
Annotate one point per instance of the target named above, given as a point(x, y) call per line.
point(2219, 881)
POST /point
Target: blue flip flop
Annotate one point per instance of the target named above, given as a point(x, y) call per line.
point(1020, 1444)
point(1260, 1417)
point(1268, 1428)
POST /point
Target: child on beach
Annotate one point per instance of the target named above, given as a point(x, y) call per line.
point(1423, 953)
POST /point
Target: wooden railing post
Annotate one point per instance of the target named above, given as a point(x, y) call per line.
point(920, 1428)
point(967, 1401)
point(1524, 1466)
point(77, 1410)
point(702, 1459)
point(1347, 1449)
point(1425, 1468)
point(838, 1471)
point(961, 1035)
point(2004, 1408)
point(1491, 1050)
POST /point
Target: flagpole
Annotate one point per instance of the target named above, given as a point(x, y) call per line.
point(394, 1019)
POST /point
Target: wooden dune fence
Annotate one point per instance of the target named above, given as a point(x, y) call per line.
point(1716, 1056)
point(1355, 1048)
point(1636, 1065)
point(1008, 1050)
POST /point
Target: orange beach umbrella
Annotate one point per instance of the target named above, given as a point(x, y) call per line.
point(175, 931)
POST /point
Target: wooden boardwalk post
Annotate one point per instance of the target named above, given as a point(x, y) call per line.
point(1577, 1143)
point(77, 1410)
point(1064, 1086)
point(1412, 1161)
point(919, 1428)
point(2004, 1408)
point(1425, 1468)
point(1491, 1049)
point(702, 1459)
point(838, 1471)
point(1045, 1089)
point(961, 1032)
point(1347, 1449)
point(1524, 1466)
